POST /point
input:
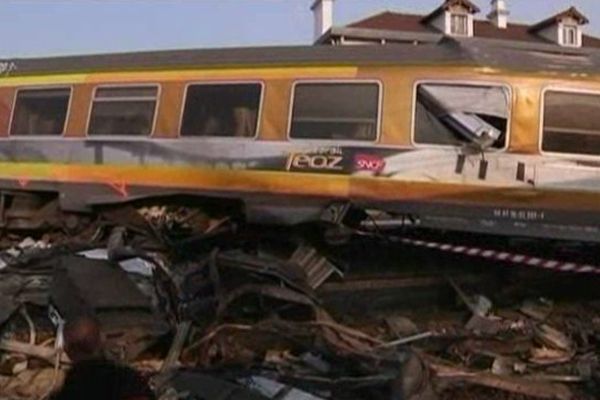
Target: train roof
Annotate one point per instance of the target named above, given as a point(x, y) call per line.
point(468, 51)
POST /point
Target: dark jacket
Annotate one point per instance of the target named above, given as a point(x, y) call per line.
point(103, 380)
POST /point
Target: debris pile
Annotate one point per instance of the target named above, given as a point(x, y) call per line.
point(206, 310)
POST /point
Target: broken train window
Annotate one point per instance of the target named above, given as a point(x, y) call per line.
point(221, 110)
point(571, 123)
point(127, 110)
point(335, 111)
point(461, 114)
point(40, 112)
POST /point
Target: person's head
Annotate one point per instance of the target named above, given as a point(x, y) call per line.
point(82, 339)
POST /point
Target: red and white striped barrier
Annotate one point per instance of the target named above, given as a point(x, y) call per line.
point(520, 259)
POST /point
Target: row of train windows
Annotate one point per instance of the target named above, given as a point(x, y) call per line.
point(321, 111)
point(444, 114)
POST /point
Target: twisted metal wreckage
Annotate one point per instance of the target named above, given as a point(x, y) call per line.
point(209, 309)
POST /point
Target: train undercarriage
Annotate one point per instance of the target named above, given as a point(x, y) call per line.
point(335, 223)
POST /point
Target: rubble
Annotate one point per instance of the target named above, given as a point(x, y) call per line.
point(209, 311)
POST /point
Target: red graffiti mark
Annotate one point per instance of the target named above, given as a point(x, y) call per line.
point(4, 113)
point(120, 187)
point(369, 162)
point(23, 182)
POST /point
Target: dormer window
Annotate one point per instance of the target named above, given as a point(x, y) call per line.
point(459, 24)
point(570, 35)
point(563, 29)
point(453, 17)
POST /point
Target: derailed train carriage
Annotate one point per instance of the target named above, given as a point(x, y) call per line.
point(462, 135)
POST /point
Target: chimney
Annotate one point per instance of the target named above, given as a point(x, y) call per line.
point(499, 14)
point(323, 16)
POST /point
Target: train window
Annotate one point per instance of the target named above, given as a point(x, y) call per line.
point(221, 110)
point(571, 123)
point(460, 114)
point(40, 112)
point(336, 111)
point(127, 110)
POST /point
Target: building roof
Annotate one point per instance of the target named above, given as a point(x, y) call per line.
point(569, 13)
point(392, 21)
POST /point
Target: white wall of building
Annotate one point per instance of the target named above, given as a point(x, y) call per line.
point(550, 33)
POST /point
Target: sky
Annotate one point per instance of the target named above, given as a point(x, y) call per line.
point(34, 28)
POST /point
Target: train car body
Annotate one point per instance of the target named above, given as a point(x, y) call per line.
point(466, 135)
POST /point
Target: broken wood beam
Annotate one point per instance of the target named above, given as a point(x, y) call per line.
point(32, 350)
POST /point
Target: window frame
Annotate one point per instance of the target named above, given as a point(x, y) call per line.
point(380, 89)
point(566, 28)
point(505, 85)
point(561, 89)
point(223, 83)
point(19, 89)
point(120, 86)
point(466, 25)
